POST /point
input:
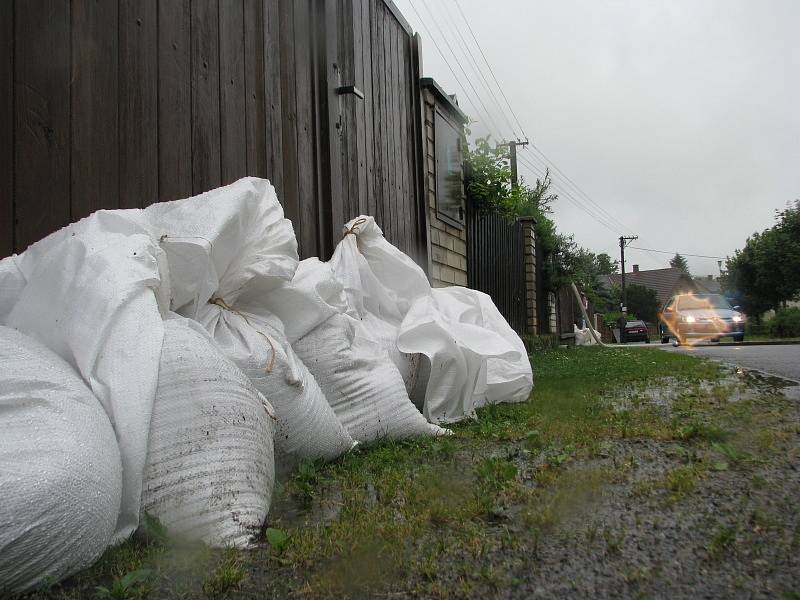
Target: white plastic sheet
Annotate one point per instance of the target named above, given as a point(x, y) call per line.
point(61, 475)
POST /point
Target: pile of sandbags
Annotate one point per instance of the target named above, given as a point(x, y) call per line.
point(170, 360)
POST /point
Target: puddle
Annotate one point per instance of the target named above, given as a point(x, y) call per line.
point(289, 510)
point(737, 384)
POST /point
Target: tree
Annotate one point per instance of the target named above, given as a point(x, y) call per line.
point(643, 302)
point(679, 262)
point(606, 265)
point(765, 274)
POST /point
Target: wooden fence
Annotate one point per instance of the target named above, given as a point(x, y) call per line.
point(496, 263)
point(121, 103)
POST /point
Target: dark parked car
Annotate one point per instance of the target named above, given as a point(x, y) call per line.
point(697, 317)
point(636, 331)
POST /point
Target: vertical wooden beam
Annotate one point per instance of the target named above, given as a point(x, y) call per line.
point(233, 139)
point(423, 249)
point(6, 128)
point(206, 162)
point(41, 118)
point(174, 100)
point(255, 109)
point(273, 77)
point(138, 110)
point(288, 70)
point(95, 145)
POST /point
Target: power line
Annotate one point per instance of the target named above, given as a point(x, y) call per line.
point(491, 71)
point(568, 195)
point(563, 192)
point(579, 191)
point(476, 67)
point(469, 81)
point(681, 253)
point(444, 58)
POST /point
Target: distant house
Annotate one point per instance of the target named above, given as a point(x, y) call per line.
point(665, 282)
point(708, 285)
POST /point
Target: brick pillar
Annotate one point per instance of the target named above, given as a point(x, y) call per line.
point(529, 251)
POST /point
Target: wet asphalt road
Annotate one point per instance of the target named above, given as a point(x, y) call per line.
point(783, 361)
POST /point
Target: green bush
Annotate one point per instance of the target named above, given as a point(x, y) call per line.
point(785, 323)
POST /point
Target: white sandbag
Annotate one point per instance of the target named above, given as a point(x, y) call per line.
point(378, 307)
point(97, 300)
point(60, 470)
point(361, 384)
point(312, 297)
point(210, 469)
point(307, 427)
point(583, 337)
point(509, 376)
point(12, 281)
point(225, 243)
point(227, 249)
point(472, 354)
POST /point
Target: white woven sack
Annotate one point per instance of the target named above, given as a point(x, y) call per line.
point(472, 354)
point(360, 382)
point(210, 469)
point(97, 299)
point(307, 427)
point(367, 299)
point(60, 470)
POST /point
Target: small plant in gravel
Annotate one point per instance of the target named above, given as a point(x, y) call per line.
point(721, 542)
point(226, 577)
point(130, 586)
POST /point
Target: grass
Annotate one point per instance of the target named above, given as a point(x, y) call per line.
point(406, 509)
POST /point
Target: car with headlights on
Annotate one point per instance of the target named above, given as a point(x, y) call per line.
point(700, 317)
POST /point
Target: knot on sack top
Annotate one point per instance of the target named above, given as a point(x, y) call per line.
point(355, 226)
point(225, 306)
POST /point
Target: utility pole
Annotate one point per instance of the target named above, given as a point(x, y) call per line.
point(512, 147)
point(623, 241)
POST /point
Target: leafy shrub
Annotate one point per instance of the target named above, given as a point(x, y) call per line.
point(785, 323)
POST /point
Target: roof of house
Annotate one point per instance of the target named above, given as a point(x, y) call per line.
point(710, 286)
point(665, 282)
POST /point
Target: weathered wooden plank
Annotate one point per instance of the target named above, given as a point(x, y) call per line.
point(423, 249)
point(41, 119)
point(306, 134)
point(391, 131)
point(290, 196)
point(6, 128)
point(273, 95)
point(380, 114)
point(95, 143)
point(138, 106)
point(400, 140)
point(255, 110)
point(346, 204)
point(404, 141)
point(330, 125)
point(174, 100)
point(357, 20)
point(368, 132)
point(233, 140)
point(206, 160)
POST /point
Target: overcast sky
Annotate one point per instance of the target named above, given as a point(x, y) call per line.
point(680, 118)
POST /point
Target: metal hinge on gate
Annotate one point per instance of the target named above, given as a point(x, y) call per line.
point(350, 89)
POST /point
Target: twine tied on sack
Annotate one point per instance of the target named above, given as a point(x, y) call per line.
point(352, 230)
point(224, 305)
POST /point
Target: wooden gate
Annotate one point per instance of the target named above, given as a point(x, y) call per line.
point(496, 263)
point(118, 104)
